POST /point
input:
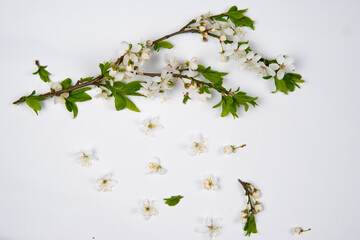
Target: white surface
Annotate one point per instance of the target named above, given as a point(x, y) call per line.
point(302, 149)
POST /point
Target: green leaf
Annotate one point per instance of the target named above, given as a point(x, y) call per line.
point(81, 90)
point(72, 107)
point(132, 86)
point(235, 14)
point(173, 201)
point(250, 225)
point(211, 75)
point(186, 98)
point(78, 97)
point(33, 103)
point(105, 69)
point(131, 106)
point(86, 79)
point(43, 74)
point(162, 44)
point(66, 83)
point(243, 22)
point(120, 102)
point(118, 84)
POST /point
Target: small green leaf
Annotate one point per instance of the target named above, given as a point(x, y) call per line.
point(43, 74)
point(104, 67)
point(162, 44)
point(120, 102)
point(186, 98)
point(211, 75)
point(33, 103)
point(72, 107)
point(81, 90)
point(78, 97)
point(66, 83)
point(173, 201)
point(250, 225)
point(86, 79)
point(131, 106)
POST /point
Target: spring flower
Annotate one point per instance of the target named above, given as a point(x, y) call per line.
point(258, 207)
point(283, 65)
point(193, 64)
point(210, 182)
point(244, 216)
point(204, 96)
point(155, 167)
point(212, 228)
point(239, 34)
point(256, 193)
point(55, 86)
point(106, 183)
point(172, 65)
point(150, 126)
point(103, 93)
point(86, 159)
point(145, 54)
point(198, 146)
point(235, 52)
point(116, 74)
point(148, 209)
point(251, 61)
point(265, 71)
point(150, 89)
point(164, 81)
point(61, 98)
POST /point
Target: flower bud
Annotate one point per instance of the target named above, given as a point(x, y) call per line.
point(223, 58)
point(244, 214)
point(297, 230)
point(222, 37)
point(212, 30)
point(244, 220)
point(258, 207)
point(149, 43)
point(256, 194)
point(202, 28)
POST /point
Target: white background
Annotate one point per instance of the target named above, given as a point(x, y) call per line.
point(302, 149)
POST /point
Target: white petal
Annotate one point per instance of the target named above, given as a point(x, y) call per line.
point(155, 160)
point(136, 48)
point(274, 66)
point(280, 74)
point(243, 46)
point(280, 59)
point(289, 60)
point(250, 55)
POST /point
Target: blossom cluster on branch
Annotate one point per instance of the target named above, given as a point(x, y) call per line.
point(125, 77)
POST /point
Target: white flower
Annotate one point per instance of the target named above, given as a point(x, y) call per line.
point(256, 193)
point(223, 58)
point(251, 61)
point(55, 86)
point(103, 93)
point(151, 125)
point(198, 146)
point(235, 52)
point(150, 89)
point(148, 209)
point(265, 70)
point(210, 182)
point(164, 81)
point(145, 54)
point(283, 65)
point(106, 183)
point(125, 48)
point(116, 74)
point(194, 86)
point(258, 207)
point(212, 228)
point(61, 98)
point(229, 149)
point(204, 96)
point(155, 167)
point(86, 159)
point(192, 64)
point(239, 34)
point(172, 64)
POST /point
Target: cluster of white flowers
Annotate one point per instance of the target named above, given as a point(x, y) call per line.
point(56, 86)
point(212, 228)
point(257, 206)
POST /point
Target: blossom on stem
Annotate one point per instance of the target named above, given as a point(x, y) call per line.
point(283, 65)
